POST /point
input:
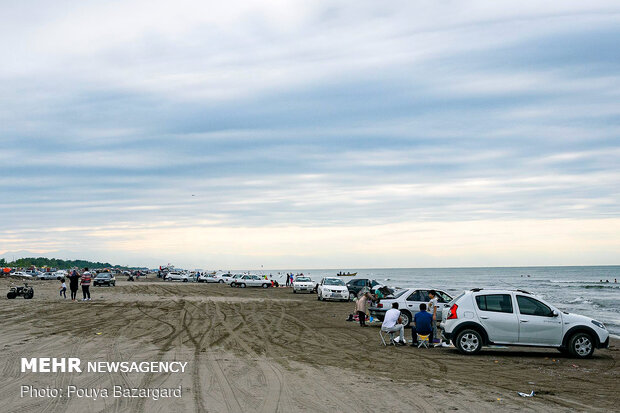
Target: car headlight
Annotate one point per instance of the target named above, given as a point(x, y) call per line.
point(599, 324)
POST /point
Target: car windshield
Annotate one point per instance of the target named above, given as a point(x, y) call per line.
point(333, 281)
point(397, 293)
point(103, 275)
point(303, 279)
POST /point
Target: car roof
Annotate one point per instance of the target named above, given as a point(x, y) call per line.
point(497, 290)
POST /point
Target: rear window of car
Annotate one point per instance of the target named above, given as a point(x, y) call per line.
point(501, 303)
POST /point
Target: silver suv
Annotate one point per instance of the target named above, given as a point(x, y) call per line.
point(515, 317)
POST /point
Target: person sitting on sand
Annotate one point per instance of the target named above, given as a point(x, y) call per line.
point(393, 322)
point(422, 324)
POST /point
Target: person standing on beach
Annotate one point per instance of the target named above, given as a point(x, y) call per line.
point(432, 309)
point(74, 277)
point(288, 277)
point(86, 278)
point(361, 306)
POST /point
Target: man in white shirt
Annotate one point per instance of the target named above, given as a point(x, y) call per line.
point(393, 322)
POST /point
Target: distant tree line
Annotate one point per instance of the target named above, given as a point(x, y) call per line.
point(56, 263)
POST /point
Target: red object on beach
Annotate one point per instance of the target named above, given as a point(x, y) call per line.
point(6, 270)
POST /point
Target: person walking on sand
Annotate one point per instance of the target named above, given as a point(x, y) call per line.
point(361, 306)
point(86, 278)
point(63, 289)
point(74, 278)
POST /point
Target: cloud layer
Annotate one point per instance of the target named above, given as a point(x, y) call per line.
point(203, 118)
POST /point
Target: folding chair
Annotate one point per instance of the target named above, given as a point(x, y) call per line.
point(384, 334)
point(423, 340)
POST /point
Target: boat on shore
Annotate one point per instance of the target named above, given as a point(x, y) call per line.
point(346, 274)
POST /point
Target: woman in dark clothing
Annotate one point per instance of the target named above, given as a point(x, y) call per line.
point(74, 278)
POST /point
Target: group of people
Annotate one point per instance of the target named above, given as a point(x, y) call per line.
point(75, 280)
point(290, 277)
point(424, 322)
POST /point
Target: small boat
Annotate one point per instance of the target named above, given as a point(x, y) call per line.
point(346, 274)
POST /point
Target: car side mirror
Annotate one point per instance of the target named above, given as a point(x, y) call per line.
point(555, 313)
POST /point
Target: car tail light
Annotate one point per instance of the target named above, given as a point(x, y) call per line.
point(452, 315)
point(380, 305)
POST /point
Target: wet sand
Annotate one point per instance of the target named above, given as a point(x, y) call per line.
point(255, 350)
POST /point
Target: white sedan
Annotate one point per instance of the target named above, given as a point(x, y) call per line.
point(250, 281)
point(303, 284)
point(177, 276)
point(49, 276)
point(331, 288)
point(22, 274)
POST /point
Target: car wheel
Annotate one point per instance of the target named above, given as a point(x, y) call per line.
point(221, 281)
point(267, 286)
point(242, 285)
point(406, 316)
point(185, 280)
point(581, 345)
point(469, 342)
point(351, 296)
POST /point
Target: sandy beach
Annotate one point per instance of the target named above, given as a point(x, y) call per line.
point(255, 350)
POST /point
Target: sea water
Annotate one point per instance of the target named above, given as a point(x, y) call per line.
point(573, 289)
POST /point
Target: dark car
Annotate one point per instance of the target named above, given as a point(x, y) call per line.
point(358, 284)
point(105, 278)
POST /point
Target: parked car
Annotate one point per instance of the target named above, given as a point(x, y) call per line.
point(231, 280)
point(48, 275)
point(21, 274)
point(177, 276)
point(356, 285)
point(332, 288)
point(223, 278)
point(104, 278)
point(250, 281)
point(409, 300)
point(206, 278)
point(306, 284)
point(515, 317)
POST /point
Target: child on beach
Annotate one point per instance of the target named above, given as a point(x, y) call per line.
point(63, 289)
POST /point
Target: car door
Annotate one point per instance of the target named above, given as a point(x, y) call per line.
point(497, 315)
point(539, 324)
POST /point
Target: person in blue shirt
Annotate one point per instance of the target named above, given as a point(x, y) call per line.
point(422, 324)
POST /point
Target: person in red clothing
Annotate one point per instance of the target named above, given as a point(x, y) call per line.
point(85, 281)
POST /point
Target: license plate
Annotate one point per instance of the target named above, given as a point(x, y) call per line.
point(335, 294)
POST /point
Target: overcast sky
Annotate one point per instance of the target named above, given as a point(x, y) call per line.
point(298, 134)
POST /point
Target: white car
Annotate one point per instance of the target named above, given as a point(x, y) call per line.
point(303, 284)
point(48, 275)
point(22, 274)
point(230, 280)
point(515, 317)
point(250, 281)
point(409, 300)
point(177, 276)
point(332, 288)
point(206, 278)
